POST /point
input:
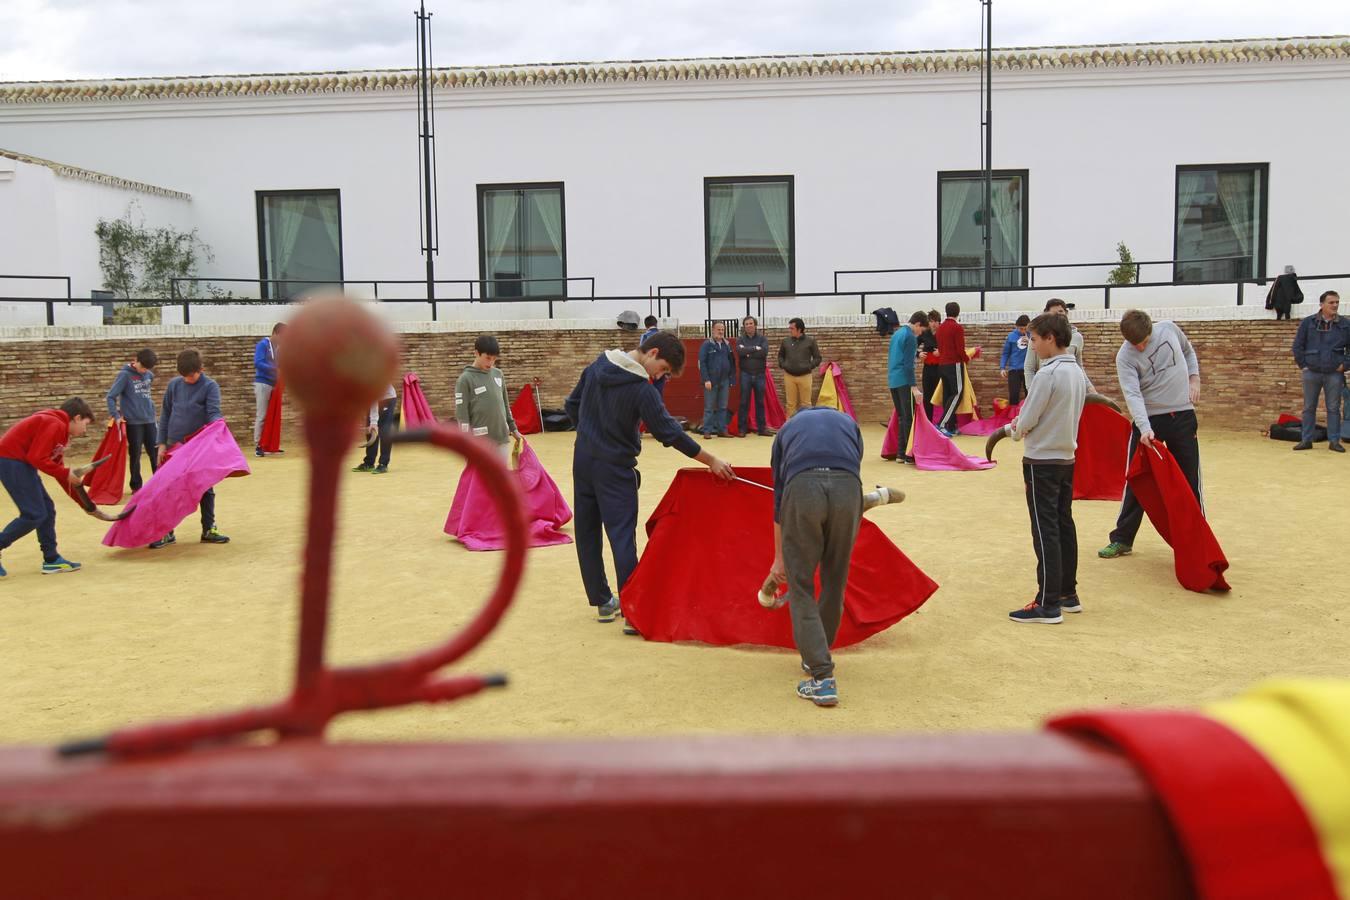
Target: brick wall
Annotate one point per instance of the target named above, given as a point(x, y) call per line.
point(1247, 371)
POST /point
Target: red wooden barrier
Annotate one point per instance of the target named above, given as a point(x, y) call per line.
point(1020, 815)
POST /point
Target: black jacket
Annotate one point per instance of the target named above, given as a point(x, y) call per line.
point(752, 353)
point(1284, 293)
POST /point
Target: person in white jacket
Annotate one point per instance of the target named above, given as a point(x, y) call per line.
point(1048, 422)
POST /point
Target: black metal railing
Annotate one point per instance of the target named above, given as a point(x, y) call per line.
point(49, 301)
point(710, 292)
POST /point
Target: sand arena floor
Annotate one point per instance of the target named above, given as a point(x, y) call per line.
point(142, 634)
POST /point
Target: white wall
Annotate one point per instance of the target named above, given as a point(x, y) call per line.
point(28, 231)
point(1101, 145)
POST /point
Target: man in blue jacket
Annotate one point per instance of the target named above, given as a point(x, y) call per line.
point(615, 393)
point(264, 379)
point(1012, 364)
point(1320, 351)
point(717, 365)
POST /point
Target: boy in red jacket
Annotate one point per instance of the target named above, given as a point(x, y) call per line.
point(39, 442)
point(952, 359)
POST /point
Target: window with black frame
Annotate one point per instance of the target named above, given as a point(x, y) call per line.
point(748, 226)
point(522, 240)
point(299, 241)
point(1220, 232)
point(961, 228)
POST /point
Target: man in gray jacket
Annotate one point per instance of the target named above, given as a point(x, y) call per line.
point(1058, 307)
point(1160, 378)
point(1048, 421)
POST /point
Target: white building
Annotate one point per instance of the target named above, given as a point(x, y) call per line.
point(735, 171)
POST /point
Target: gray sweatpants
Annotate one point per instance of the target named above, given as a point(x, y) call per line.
point(262, 394)
point(819, 518)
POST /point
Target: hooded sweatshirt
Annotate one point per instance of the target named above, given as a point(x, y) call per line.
point(613, 395)
point(481, 404)
point(1033, 362)
point(1049, 417)
point(131, 389)
point(40, 440)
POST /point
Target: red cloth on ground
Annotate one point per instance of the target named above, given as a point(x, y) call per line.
point(106, 484)
point(1100, 463)
point(1288, 419)
point(416, 410)
point(709, 548)
point(270, 437)
point(526, 411)
point(202, 461)
point(1244, 832)
point(1162, 489)
point(473, 519)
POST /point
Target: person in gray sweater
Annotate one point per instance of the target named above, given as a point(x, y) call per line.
point(1058, 307)
point(1160, 378)
point(129, 401)
point(481, 403)
point(1048, 422)
point(191, 402)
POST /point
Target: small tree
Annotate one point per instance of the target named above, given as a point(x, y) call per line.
point(146, 259)
point(1125, 272)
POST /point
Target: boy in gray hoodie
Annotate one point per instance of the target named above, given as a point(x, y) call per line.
point(480, 397)
point(129, 400)
point(1048, 422)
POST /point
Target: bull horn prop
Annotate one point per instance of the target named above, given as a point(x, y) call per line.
point(992, 442)
point(1101, 400)
point(882, 496)
point(82, 496)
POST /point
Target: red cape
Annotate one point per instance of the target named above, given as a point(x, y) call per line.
point(1099, 464)
point(415, 409)
point(526, 411)
point(106, 483)
point(1162, 489)
point(709, 546)
point(270, 439)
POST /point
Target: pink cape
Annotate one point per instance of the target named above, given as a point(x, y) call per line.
point(832, 373)
point(188, 471)
point(982, 427)
point(709, 546)
point(932, 452)
point(473, 518)
point(416, 410)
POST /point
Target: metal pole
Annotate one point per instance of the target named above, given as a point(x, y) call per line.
point(988, 146)
point(425, 137)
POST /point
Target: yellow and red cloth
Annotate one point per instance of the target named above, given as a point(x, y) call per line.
point(1257, 788)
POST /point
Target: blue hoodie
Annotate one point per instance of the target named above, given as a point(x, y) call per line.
point(613, 395)
point(265, 362)
point(132, 390)
point(1014, 352)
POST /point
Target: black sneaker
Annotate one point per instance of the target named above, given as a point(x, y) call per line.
point(258, 450)
point(363, 468)
point(1336, 447)
point(1036, 614)
point(1071, 604)
point(213, 536)
point(1303, 445)
point(164, 541)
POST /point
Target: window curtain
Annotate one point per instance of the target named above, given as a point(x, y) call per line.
point(329, 214)
point(721, 213)
point(1237, 197)
point(773, 202)
point(548, 204)
point(500, 212)
point(1007, 226)
point(284, 218)
point(954, 193)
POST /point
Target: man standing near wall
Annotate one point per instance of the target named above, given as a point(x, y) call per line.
point(717, 366)
point(1033, 364)
point(264, 379)
point(952, 361)
point(1160, 378)
point(798, 357)
point(752, 354)
point(900, 378)
point(1320, 351)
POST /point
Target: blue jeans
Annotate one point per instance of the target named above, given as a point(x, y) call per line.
point(715, 413)
point(752, 384)
point(36, 510)
point(604, 502)
point(1331, 384)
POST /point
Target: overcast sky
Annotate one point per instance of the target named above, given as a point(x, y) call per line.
point(53, 39)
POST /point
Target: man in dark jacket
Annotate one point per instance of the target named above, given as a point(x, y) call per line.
point(717, 365)
point(615, 393)
point(1284, 293)
point(798, 357)
point(752, 355)
point(1320, 351)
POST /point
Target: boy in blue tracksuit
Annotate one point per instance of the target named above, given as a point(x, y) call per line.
point(900, 378)
point(1012, 364)
point(129, 400)
point(264, 381)
point(615, 393)
point(191, 402)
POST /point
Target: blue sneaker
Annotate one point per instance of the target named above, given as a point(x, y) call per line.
point(821, 692)
point(59, 565)
point(608, 612)
point(1035, 614)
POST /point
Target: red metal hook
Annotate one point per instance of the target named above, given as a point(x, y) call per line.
point(320, 692)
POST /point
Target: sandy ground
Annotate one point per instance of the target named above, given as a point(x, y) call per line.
point(144, 634)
